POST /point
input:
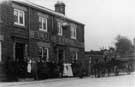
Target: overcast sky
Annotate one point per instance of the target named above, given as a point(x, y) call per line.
point(103, 19)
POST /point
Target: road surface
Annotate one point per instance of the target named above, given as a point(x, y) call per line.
point(114, 81)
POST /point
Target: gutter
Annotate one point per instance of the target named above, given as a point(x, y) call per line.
point(30, 4)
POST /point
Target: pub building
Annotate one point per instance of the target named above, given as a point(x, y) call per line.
point(29, 31)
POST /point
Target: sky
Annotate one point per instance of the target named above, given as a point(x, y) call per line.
point(103, 19)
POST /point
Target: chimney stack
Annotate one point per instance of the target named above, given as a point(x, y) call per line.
point(60, 7)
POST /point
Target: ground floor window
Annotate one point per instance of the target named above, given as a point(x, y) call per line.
point(0, 52)
point(75, 56)
point(43, 54)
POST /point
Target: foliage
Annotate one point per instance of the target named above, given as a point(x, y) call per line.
point(123, 45)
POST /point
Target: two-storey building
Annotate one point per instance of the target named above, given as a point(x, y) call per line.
point(30, 30)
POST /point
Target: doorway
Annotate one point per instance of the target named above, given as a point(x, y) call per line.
point(19, 51)
point(60, 60)
point(20, 61)
point(60, 56)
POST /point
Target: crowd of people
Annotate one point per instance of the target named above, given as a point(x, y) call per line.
point(38, 69)
point(112, 66)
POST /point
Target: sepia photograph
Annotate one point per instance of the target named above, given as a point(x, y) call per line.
point(67, 43)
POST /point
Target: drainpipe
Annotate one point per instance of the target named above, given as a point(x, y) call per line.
point(52, 23)
point(28, 32)
point(51, 37)
point(0, 36)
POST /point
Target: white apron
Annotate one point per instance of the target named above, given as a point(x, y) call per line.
point(29, 67)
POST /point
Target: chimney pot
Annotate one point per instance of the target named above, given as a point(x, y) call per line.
point(60, 7)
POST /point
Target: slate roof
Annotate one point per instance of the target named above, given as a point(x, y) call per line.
point(28, 3)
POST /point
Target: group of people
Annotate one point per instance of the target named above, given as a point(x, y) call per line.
point(21, 69)
point(100, 69)
point(29, 67)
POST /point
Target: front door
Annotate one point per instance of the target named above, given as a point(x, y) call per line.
point(60, 61)
point(19, 52)
point(60, 56)
point(19, 58)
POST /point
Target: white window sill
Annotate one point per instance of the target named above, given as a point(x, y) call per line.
point(43, 30)
point(59, 34)
point(19, 24)
point(73, 38)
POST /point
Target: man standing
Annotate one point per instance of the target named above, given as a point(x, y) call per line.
point(34, 69)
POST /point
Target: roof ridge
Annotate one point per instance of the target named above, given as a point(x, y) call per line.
point(27, 2)
point(40, 6)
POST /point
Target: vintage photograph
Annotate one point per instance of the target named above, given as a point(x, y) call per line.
point(67, 43)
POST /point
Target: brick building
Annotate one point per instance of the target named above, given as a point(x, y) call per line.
point(30, 30)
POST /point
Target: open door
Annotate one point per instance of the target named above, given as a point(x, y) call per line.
point(60, 56)
point(19, 50)
point(20, 61)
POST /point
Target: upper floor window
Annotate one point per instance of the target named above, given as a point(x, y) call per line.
point(73, 31)
point(43, 54)
point(43, 24)
point(60, 29)
point(19, 17)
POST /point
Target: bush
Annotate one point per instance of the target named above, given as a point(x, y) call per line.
point(47, 70)
point(11, 71)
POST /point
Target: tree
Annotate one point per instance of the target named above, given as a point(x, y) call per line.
point(123, 45)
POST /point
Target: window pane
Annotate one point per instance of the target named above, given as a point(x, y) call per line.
point(45, 54)
point(40, 52)
point(15, 16)
point(40, 23)
point(44, 23)
point(59, 28)
point(21, 17)
point(74, 55)
point(74, 32)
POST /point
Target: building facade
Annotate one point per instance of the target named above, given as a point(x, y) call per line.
point(30, 30)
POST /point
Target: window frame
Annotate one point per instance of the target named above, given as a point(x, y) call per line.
point(18, 17)
point(75, 55)
point(60, 29)
point(73, 32)
point(42, 24)
point(42, 53)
